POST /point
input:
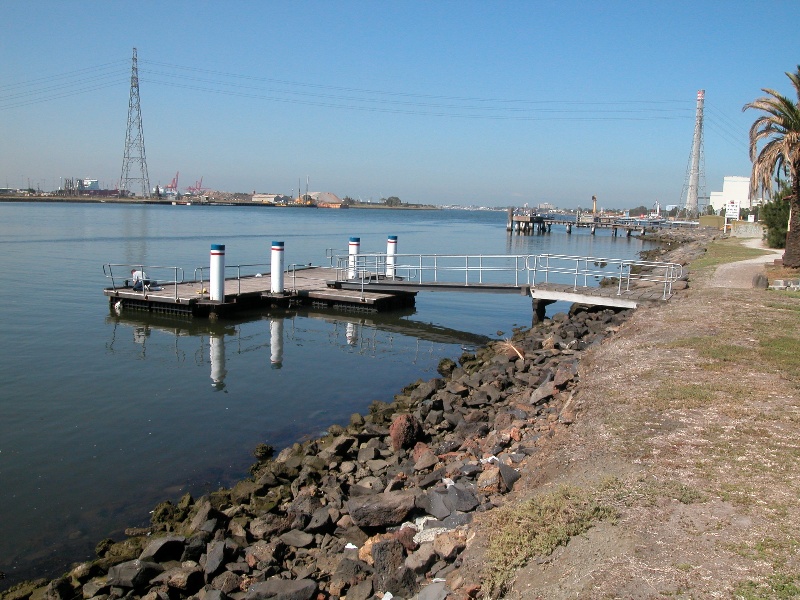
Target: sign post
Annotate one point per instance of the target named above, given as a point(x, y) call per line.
point(731, 212)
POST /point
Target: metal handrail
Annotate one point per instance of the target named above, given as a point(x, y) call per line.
point(108, 272)
point(417, 266)
point(237, 268)
point(582, 270)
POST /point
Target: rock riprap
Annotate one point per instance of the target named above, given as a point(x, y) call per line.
point(382, 505)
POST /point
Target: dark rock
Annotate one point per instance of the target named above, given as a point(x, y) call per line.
point(338, 447)
point(297, 539)
point(226, 582)
point(457, 519)
point(187, 580)
point(508, 475)
point(133, 574)
point(349, 573)
point(460, 499)
point(269, 525)
point(95, 587)
point(360, 591)
point(196, 546)
point(431, 478)
point(566, 372)
point(242, 491)
point(543, 392)
point(388, 557)
point(447, 446)
point(320, 520)
point(215, 557)
point(426, 461)
point(103, 547)
point(164, 549)
point(264, 553)
point(434, 504)
point(433, 591)
point(425, 390)
point(477, 398)
point(381, 510)
point(367, 453)
point(282, 589)
point(59, 589)
point(421, 560)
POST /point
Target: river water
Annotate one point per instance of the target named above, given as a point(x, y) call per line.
point(104, 415)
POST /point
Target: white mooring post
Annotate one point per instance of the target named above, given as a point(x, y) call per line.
point(276, 269)
point(353, 248)
point(216, 284)
point(391, 250)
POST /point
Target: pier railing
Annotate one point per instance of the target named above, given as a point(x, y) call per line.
point(434, 268)
point(247, 271)
point(508, 269)
point(158, 274)
point(587, 271)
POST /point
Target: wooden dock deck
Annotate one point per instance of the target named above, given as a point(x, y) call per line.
point(310, 286)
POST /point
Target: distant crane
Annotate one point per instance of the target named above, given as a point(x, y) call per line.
point(172, 188)
point(197, 188)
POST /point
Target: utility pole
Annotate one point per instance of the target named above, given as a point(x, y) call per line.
point(134, 157)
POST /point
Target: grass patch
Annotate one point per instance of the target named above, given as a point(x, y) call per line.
point(724, 251)
point(537, 527)
point(714, 348)
point(775, 587)
point(681, 396)
point(648, 492)
point(784, 353)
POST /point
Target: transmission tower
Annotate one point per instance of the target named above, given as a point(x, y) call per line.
point(134, 158)
point(694, 186)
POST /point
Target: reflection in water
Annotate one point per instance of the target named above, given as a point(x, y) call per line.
point(351, 335)
point(276, 342)
point(217, 356)
point(372, 336)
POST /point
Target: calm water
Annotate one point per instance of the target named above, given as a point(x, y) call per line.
point(103, 416)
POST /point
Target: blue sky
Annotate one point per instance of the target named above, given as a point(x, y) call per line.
point(484, 103)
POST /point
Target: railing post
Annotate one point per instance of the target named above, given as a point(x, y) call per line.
point(217, 273)
point(276, 268)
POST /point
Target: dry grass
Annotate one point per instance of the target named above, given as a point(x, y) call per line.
point(688, 436)
point(537, 527)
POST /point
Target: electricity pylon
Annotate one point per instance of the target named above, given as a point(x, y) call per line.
point(134, 158)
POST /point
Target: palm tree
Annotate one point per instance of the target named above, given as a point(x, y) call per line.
point(779, 127)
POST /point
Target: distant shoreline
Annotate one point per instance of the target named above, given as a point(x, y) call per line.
point(186, 200)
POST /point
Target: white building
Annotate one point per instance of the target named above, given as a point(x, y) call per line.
point(734, 189)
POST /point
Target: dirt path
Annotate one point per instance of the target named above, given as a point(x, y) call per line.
point(688, 426)
point(740, 274)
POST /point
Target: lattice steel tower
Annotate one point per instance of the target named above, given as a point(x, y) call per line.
point(695, 183)
point(134, 158)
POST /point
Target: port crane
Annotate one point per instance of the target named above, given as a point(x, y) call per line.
point(172, 188)
point(197, 188)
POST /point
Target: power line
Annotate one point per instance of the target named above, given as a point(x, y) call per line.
point(54, 87)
